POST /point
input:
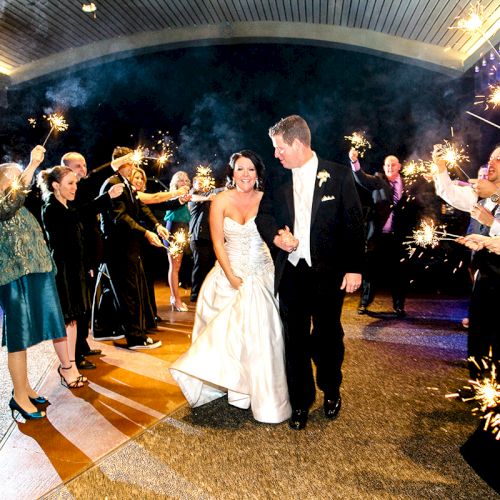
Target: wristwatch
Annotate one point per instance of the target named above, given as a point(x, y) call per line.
point(495, 197)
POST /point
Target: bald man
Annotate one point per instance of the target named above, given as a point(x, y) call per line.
point(393, 219)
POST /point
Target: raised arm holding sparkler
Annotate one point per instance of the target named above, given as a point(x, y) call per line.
point(486, 289)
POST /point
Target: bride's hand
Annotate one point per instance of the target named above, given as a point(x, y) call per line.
point(235, 282)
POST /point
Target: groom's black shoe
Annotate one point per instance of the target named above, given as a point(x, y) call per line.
point(298, 419)
point(332, 407)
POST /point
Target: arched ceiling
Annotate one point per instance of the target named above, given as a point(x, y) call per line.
point(38, 37)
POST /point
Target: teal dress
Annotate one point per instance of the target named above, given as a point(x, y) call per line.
point(28, 295)
point(176, 219)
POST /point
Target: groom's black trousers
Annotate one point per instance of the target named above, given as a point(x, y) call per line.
point(305, 296)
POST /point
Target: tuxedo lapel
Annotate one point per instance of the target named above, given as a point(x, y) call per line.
point(318, 193)
point(288, 193)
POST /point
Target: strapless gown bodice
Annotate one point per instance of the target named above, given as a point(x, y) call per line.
point(237, 341)
point(245, 248)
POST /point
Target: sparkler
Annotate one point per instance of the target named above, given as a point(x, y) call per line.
point(452, 155)
point(205, 179)
point(483, 119)
point(473, 22)
point(359, 142)
point(413, 169)
point(177, 242)
point(493, 98)
point(139, 155)
point(486, 393)
point(429, 235)
point(15, 186)
point(58, 123)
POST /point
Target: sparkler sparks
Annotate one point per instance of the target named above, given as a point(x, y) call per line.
point(492, 100)
point(452, 154)
point(57, 123)
point(414, 169)
point(429, 235)
point(473, 23)
point(485, 392)
point(359, 142)
point(178, 242)
point(32, 122)
point(204, 177)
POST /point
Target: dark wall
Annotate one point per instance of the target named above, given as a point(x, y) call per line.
point(215, 100)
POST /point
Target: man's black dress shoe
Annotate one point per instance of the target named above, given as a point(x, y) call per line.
point(85, 364)
point(94, 352)
point(362, 310)
point(400, 313)
point(298, 419)
point(332, 407)
point(158, 319)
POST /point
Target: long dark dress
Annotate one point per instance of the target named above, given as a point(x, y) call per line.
point(65, 236)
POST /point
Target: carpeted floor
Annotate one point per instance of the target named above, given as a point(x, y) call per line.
point(397, 436)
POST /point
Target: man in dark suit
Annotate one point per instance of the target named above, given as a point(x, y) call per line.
point(123, 234)
point(199, 231)
point(393, 219)
point(314, 265)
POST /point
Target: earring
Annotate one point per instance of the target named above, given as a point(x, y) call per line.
point(232, 184)
point(257, 184)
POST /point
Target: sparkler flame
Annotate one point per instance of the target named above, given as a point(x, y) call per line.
point(473, 21)
point(205, 179)
point(178, 242)
point(429, 235)
point(359, 142)
point(485, 392)
point(138, 155)
point(414, 169)
point(57, 123)
point(493, 99)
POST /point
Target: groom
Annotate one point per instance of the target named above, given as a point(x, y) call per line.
point(310, 217)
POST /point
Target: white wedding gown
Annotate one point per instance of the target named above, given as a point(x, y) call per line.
point(237, 343)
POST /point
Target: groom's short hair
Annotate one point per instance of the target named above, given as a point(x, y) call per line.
point(290, 128)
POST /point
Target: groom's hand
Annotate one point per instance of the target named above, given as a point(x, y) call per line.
point(286, 240)
point(351, 282)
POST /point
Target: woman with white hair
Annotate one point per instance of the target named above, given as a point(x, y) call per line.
point(28, 295)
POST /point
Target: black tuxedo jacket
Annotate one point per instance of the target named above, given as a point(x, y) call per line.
point(337, 233)
point(125, 223)
point(405, 212)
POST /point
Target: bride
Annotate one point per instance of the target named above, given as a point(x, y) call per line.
point(237, 341)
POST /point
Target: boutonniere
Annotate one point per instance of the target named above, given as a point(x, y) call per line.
point(323, 176)
point(328, 198)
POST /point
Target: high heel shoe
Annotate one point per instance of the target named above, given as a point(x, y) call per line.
point(182, 308)
point(81, 377)
point(75, 384)
point(14, 406)
point(39, 400)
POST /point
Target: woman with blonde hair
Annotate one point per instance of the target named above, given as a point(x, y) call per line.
point(177, 220)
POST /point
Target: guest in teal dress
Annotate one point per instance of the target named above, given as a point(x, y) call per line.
point(177, 219)
point(28, 296)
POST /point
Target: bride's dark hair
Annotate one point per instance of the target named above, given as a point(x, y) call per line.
point(255, 159)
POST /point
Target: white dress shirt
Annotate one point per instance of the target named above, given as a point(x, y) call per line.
point(304, 179)
point(464, 198)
